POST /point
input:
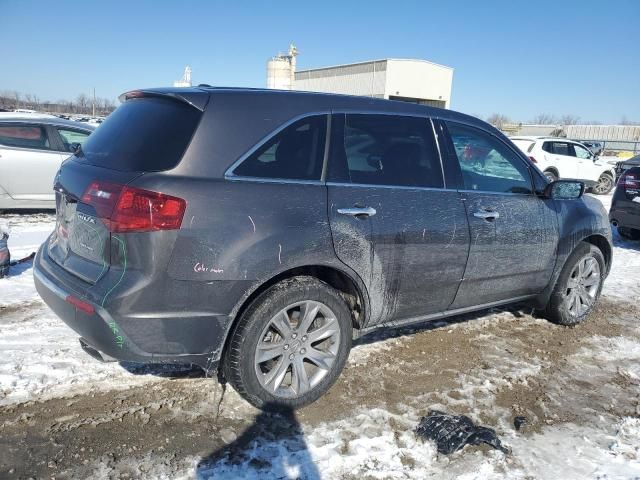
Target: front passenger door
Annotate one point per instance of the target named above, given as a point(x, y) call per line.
point(514, 233)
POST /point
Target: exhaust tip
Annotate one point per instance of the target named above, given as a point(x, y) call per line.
point(95, 353)
point(614, 223)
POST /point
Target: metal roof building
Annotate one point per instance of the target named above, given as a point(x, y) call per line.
point(410, 80)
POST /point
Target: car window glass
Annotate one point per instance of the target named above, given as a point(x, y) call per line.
point(295, 153)
point(24, 136)
point(562, 148)
point(391, 150)
point(487, 164)
point(581, 152)
point(71, 136)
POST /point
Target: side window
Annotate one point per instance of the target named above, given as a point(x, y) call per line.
point(547, 147)
point(581, 152)
point(487, 164)
point(391, 150)
point(72, 136)
point(24, 136)
point(562, 148)
point(295, 153)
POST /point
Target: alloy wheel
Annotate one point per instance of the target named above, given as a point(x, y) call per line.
point(582, 286)
point(604, 184)
point(297, 348)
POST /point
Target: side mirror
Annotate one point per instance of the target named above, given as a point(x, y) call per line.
point(75, 147)
point(564, 190)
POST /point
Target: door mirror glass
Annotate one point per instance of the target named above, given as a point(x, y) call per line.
point(564, 190)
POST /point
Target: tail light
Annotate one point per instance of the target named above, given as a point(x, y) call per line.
point(533, 160)
point(629, 181)
point(131, 209)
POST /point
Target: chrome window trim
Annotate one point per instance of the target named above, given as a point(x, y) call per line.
point(238, 178)
point(435, 137)
point(228, 174)
point(485, 192)
point(395, 187)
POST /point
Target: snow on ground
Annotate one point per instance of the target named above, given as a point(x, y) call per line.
point(40, 358)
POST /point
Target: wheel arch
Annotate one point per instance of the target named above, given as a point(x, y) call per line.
point(348, 284)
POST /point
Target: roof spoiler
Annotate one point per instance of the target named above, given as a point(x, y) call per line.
point(197, 99)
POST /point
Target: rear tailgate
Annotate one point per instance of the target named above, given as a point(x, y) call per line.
point(81, 241)
point(149, 132)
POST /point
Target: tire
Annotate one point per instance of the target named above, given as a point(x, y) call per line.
point(561, 308)
point(263, 383)
point(605, 185)
point(550, 175)
point(629, 233)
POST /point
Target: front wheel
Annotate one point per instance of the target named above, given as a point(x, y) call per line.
point(604, 185)
point(578, 287)
point(290, 345)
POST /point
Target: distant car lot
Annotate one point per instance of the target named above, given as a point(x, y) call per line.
point(561, 158)
point(32, 147)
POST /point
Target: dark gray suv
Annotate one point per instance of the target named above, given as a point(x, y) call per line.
point(256, 232)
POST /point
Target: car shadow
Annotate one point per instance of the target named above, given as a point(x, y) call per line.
point(164, 370)
point(272, 447)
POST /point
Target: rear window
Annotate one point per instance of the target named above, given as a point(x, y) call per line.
point(144, 134)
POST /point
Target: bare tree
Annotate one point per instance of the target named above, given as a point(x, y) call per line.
point(568, 119)
point(82, 102)
point(544, 119)
point(498, 120)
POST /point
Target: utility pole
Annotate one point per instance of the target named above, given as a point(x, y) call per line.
point(94, 102)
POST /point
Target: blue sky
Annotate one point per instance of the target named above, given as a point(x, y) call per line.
point(512, 57)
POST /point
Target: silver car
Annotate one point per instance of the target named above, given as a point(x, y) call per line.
point(32, 147)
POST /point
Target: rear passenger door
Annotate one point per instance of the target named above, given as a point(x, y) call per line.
point(563, 158)
point(28, 162)
point(392, 219)
point(514, 233)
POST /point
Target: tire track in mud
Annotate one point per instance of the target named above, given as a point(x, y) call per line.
point(442, 364)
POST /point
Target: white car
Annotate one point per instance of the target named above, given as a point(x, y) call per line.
point(32, 147)
point(562, 158)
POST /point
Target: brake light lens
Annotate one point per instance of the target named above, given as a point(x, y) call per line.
point(533, 160)
point(80, 305)
point(130, 209)
point(629, 181)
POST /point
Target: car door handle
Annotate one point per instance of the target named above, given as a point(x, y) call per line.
point(358, 211)
point(486, 215)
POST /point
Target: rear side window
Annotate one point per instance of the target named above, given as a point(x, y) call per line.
point(145, 134)
point(70, 137)
point(391, 150)
point(24, 136)
point(295, 153)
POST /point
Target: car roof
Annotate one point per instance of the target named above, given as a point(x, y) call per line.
point(534, 138)
point(305, 101)
point(43, 119)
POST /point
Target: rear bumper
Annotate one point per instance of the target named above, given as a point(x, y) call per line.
point(130, 336)
point(626, 217)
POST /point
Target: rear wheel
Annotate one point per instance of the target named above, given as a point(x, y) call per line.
point(604, 185)
point(578, 287)
point(629, 233)
point(551, 175)
point(290, 345)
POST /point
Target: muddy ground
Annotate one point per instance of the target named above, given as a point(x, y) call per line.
point(170, 421)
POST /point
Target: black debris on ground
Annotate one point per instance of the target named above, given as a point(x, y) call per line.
point(520, 422)
point(452, 432)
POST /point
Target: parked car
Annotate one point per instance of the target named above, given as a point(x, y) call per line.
point(625, 205)
point(32, 147)
point(562, 158)
point(256, 232)
point(625, 165)
point(595, 147)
